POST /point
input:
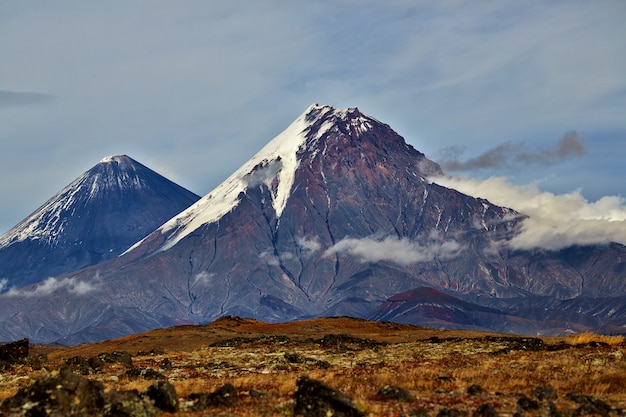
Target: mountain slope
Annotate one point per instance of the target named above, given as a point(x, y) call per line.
point(95, 218)
point(335, 216)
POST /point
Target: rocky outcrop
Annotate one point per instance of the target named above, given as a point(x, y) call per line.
point(64, 393)
point(316, 399)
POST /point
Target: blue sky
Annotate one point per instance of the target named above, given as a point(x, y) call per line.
point(193, 89)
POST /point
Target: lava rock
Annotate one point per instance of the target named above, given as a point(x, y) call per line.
point(224, 396)
point(475, 389)
point(316, 399)
point(589, 404)
point(129, 404)
point(14, 352)
point(547, 392)
point(58, 395)
point(451, 412)
point(391, 392)
point(485, 410)
point(145, 373)
point(123, 358)
point(527, 404)
point(292, 357)
point(84, 366)
point(164, 396)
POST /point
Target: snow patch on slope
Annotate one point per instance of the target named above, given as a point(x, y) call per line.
point(278, 160)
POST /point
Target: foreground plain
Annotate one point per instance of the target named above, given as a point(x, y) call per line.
point(439, 373)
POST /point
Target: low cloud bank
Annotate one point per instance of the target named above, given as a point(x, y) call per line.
point(515, 154)
point(52, 285)
point(400, 251)
point(555, 221)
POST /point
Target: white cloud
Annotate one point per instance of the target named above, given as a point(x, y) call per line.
point(269, 258)
point(3, 284)
point(308, 246)
point(52, 285)
point(555, 220)
point(392, 249)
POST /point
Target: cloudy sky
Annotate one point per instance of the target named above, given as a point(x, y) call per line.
point(531, 92)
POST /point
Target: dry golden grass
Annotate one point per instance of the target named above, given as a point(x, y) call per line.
point(588, 337)
point(437, 373)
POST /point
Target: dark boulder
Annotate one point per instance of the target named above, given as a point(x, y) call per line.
point(391, 392)
point(123, 358)
point(547, 392)
point(14, 352)
point(527, 404)
point(316, 399)
point(129, 404)
point(485, 410)
point(83, 365)
point(475, 389)
point(164, 396)
point(145, 373)
point(224, 396)
point(589, 405)
point(57, 395)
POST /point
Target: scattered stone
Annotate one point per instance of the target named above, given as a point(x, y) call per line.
point(85, 366)
point(151, 352)
point(391, 392)
point(256, 394)
point(316, 399)
point(344, 341)
point(60, 394)
point(547, 392)
point(292, 357)
point(123, 358)
point(450, 412)
point(129, 404)
point(528, 344)
point(475, 389)
point(14, 352)
point(5, 366)
point(553, 411)
point(589, 404)
point(79, 364)
point(485, 410)
point(145, 373)
point(95, 363)
point(239, 341)
point(166, 364)
point(164, 396)
point(527, 404)
point(224, 396)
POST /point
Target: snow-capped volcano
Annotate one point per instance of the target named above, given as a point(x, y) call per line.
point(96, 217)
point(275, 166)
point(334, 216)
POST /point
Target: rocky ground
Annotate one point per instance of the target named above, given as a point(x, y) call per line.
point(321, 367)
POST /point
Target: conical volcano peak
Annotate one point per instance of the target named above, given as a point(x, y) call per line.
point(323, 118)
point(121, 160)
point(114, 158)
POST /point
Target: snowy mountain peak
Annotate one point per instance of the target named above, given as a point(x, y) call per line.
point(118, 159)
point(274, 166)
point(110, 177)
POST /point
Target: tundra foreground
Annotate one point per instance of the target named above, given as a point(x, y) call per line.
point(237, 366)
